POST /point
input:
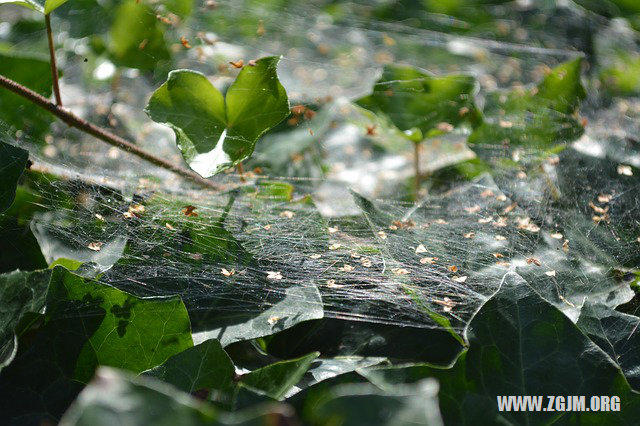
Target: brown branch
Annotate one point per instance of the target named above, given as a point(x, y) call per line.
point(105, 136)
point(52, 61)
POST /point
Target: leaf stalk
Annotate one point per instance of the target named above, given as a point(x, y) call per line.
point(52, 61)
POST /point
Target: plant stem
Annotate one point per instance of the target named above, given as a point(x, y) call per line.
point(416, 166)
point(52, 61)
point(102, 134)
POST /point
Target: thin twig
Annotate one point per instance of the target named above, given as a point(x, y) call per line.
point(52, 61)
point(416, 167)
point(102, 134)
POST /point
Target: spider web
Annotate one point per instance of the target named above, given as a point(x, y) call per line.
point(325, 229)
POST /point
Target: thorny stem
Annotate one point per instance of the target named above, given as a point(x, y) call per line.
point(416, 166)
point(52, 61)
point(102, 134)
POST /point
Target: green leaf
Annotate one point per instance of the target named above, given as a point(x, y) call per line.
point(299, 304)
point(182, 8)
point(414, 99)
point(31, 4)
point(622, 75)
point(362, 404)
point(535, 342)
point(215, 133)
point(616, 334)
point(204, 367)
point(51, 5)
point(148, 331)
point(277, 379)
point(117, 397)
point(37, 5)
point(136, 37)
point(13, 161)
point(562, 88)
point(20, 293)
point(19, 247)
point(538, 118)
point(328, 368)
point(32, 71)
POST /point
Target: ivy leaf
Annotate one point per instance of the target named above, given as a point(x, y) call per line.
point(51, 5)
point(32, 71)
point(37, 5)
point(202, 367)
point(616, 334)
point(20, 293)
point(118, 397)
point(136, 38)
point(414, 99)
point(364, 404)
point(277, 379)
point(86, 324)
point(13, 160)
point(541, 117)
point(536, 341)
point(31, 4)
point(148, 331)
point(214, 132)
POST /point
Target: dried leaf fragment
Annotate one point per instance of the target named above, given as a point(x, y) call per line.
point(237, 64)
point(287, 214)
point(556, 236)
point(400, 271)
point(428, 260)
point(228, 273)
point(185, 42)
point(500, 237)
point(551, 273)
point(533, 260)
point(598, 209)
point(421, 249)
point(335, 246)
point(625, 170)
point(273, 320)
point(453, 268)
point(189, 211)
point(315, 256)
point(473, 209)
point(469, 235)
point(382, 235)
point(274, 275)
point(604, 198)
point(509, 208)
point(459, 279)
point(526, 224)
point(447, 303)
point(95, 246)
point(347, 268)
